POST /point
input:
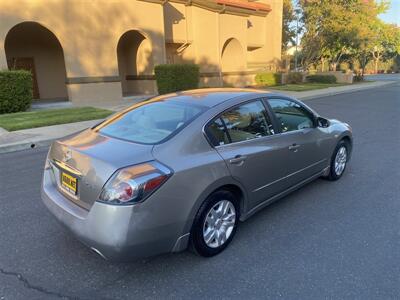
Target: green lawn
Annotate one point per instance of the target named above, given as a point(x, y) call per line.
point(305, 86)
point(39, 118)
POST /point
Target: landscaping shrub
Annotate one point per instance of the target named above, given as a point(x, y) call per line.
point(15, 91)
point(321, 78)
point(295, 77)
point(268, 79)
point(358, 78)
point(176, 77)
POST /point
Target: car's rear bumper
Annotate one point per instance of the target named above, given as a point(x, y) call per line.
point(115, 232)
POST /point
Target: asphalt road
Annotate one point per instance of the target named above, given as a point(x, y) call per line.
point(336, 240)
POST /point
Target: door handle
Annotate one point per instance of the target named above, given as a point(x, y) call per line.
point(238, 160)
point(294, 147)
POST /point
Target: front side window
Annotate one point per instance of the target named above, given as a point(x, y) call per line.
point(150, 123)
point(244, 122)
point(291, 115)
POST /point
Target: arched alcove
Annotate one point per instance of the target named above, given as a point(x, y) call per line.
point(233, 58)
point(31, 46)
point(135, 60)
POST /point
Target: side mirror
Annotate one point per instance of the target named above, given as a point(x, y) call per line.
point(322, 122)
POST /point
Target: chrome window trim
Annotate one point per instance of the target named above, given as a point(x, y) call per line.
point(304, 131)
point(244, 141)
point(267, 136)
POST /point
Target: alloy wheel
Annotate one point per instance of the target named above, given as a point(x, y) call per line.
point(219, 223)
point(340, 160)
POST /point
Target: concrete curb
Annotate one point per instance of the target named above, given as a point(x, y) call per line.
point(358, 89)
point(306, 95)
point(3, 131)
point(25, 145)
point(42, 136)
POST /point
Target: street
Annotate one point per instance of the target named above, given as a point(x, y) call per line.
point(336, 240)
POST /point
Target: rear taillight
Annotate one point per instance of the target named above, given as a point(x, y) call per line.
point(134, 184)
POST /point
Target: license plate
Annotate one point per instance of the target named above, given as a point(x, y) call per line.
point(69, 183)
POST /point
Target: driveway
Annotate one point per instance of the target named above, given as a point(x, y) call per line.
point(328, 240)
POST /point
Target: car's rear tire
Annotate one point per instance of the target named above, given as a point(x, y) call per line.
point(339, 160)
point(215, 224)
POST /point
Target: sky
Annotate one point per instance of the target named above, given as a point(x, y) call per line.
point(393, 13)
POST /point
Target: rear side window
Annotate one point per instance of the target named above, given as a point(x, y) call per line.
point(241, 123)
point(291, 115)
point(150, 123)
point(217, 133)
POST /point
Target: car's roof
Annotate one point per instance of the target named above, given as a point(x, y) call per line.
point(209, 97)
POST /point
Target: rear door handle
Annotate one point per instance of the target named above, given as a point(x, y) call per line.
point(238, 160)
point(294, 147)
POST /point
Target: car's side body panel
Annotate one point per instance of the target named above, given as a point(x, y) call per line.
point(262, 172)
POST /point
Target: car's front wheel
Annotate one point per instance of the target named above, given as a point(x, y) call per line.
point(339, 160)
point(215, 223)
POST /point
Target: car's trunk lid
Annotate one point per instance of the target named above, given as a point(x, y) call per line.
point(91, 158)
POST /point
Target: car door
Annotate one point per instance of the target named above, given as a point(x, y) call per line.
point(304, 142)
point(245, 138)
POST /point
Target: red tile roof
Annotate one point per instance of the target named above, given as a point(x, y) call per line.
point(245, 4)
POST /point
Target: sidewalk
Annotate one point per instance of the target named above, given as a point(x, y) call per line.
point(43, 136)
point(114, 106)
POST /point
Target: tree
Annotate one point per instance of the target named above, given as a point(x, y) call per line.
point(288, 31)
point(311, 42)
point(385, 42)
point(369, 23)
point(338, 28)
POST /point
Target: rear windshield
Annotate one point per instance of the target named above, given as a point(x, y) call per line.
point(151, 123)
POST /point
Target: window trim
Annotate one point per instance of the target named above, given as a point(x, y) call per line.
point(267, 116)
point(278, 125)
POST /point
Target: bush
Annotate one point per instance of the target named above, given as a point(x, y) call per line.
point(176, 77)
point(268, 79)
point(321, 78)
point(15, 91)
point(295, 77)
point(358, 78)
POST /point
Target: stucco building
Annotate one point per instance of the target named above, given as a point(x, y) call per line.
point(105, 49)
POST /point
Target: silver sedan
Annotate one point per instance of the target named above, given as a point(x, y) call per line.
point(183, 169)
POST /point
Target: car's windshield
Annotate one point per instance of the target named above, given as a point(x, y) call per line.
point(151, 123)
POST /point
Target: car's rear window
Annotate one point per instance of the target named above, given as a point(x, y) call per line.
point(151, 123)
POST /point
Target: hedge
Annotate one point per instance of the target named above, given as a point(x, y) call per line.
point(321, 78)
point(15, 91)
point(176, 77)
point(268, 79)
point(294, 77)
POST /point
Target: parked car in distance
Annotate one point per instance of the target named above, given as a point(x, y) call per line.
point(183, 169)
